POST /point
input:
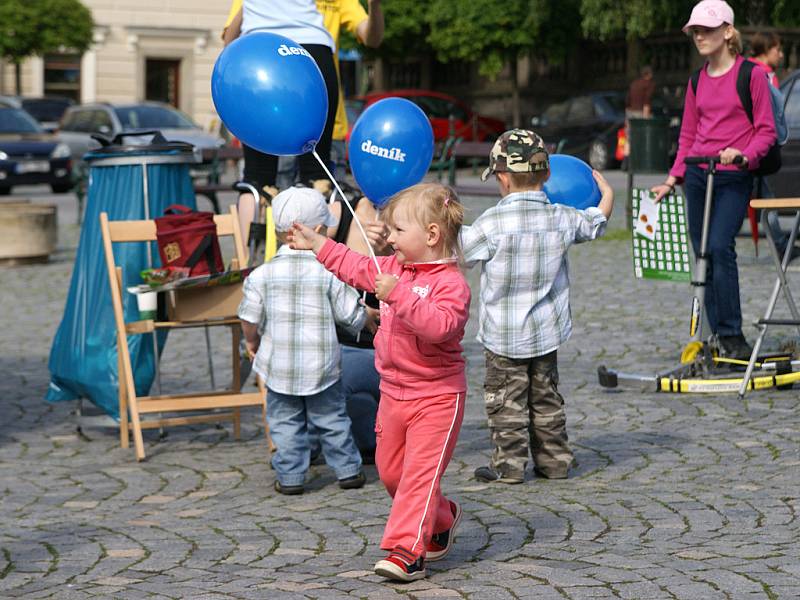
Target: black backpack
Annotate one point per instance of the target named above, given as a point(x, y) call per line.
point(771, 163)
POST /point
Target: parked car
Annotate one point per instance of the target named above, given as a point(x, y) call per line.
point(30, 155)
point(786, 182)
point(82, 121)
point(467, 124)
point(48, 110)
point(592, 127)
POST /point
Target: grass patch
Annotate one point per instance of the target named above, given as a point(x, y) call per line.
point(615, 235)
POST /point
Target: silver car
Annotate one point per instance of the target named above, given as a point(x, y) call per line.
point(82, 121)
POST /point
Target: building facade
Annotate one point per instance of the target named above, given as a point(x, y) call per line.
point(142, 50)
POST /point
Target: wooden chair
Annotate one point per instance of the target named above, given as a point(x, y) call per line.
point(132, 407)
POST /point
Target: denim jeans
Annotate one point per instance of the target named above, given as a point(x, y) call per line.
point(728, 210)
point(361, 386)
point(289, 418)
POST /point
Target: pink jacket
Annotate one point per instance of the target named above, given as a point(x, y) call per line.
point(418, 346)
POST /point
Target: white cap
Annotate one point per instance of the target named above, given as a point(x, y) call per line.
point(301, 205)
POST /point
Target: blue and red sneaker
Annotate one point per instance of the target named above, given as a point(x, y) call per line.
point(441, 543)
point(395, 567)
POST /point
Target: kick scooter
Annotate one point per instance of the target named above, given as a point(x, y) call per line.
point(701, 369)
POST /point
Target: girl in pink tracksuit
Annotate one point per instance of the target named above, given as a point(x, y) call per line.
point(424, 309)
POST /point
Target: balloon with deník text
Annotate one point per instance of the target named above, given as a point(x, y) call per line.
point(390, 149)
point(270, 94)
point(571, 182)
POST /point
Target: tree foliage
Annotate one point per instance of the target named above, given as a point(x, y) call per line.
point(37, 27)
point(490, 32)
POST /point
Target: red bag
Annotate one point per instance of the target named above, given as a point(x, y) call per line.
point(188, 238)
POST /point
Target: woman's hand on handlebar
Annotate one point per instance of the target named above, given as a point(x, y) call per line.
point(728, 156)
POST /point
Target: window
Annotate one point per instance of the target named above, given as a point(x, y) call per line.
point(78, 120)
point(581, 109)
point(440, 108)
point(143, 116)
point(14, 120)
point(101, 122)
point(555, 113)
point(162, 80)
point(62, 75)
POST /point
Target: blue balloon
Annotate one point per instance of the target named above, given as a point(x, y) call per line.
point(390, 149)
point(571, 182)
point(270, 94)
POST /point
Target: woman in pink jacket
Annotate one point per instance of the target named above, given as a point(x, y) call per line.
point(424, 309)
point(715, 123)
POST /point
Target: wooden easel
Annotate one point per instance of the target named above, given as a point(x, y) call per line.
point(133, 407)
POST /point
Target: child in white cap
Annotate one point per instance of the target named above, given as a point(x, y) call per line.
point(290, 307)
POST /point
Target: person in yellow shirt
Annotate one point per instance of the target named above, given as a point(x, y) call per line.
point(368, 28)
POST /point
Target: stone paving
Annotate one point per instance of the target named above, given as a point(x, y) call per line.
point(675, 497)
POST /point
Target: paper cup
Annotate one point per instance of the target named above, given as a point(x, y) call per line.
point(148, 305)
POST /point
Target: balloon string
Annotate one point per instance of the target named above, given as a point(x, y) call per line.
point(352, 212)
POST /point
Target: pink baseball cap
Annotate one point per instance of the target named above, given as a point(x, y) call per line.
point(710, 13)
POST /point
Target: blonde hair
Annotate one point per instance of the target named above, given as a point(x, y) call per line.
point(735, 43)
point(430, 203)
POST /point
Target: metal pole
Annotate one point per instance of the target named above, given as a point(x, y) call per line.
point(701, 266)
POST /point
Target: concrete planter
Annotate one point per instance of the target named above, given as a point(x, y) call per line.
point(28, 232)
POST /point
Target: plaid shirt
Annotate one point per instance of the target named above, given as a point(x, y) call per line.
point(524, 298)
point(295, 302)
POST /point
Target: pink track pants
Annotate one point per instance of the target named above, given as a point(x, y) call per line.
point(415, 441)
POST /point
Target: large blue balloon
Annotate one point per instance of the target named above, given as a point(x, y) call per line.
point(270, 94)
point(571, 182)
point(390, 149)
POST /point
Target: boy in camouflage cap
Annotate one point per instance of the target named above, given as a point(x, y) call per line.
point(524, 313)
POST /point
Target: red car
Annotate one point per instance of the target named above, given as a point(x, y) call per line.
point(468, 125)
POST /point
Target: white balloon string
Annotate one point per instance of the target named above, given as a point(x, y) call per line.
point(352, 212)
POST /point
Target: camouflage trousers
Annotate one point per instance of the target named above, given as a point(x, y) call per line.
point(526, 411)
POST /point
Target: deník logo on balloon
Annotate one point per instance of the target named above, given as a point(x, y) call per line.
point(391, 147)
point(270, 94)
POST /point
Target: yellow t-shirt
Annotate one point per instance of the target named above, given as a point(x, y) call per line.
point(335, 14)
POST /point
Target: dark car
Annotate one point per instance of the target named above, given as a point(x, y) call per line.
point(591, 127)
point(29, 155)
point(467, 125)
point(786, 182)
point(47, 110)
point(585, 126)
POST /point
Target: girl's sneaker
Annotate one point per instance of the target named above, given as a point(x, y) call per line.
point(396, 568)
point(441, 543)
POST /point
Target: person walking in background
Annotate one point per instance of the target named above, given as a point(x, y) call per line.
point(368, 28)
point(767, 52)
point(715, 123)
point(639, 101)
point(524, 315)
point(424, 309)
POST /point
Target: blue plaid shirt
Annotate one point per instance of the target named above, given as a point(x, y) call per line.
point(522, 243)
point(295, 303)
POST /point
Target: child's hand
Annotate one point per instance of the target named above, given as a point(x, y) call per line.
point(373, 319)
point(301, 237)
point(384, 284)
point(252, 348)
point(604, 186)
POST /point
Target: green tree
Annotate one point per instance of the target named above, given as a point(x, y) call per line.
point(29, 28)
point(494, 33)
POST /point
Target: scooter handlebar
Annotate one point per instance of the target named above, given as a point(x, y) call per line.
point(709, 160)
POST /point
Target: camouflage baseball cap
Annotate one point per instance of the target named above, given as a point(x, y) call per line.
point(517, 151)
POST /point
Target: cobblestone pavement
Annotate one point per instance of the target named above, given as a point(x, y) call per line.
point(684, 497)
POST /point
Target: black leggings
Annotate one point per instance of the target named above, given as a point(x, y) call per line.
point(261, 169)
